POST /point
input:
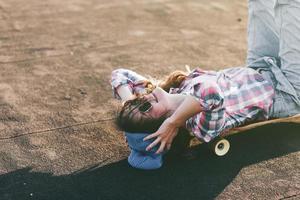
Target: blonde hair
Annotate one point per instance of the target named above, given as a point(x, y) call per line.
point(173, 80)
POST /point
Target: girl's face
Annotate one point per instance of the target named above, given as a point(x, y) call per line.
point(156, 105)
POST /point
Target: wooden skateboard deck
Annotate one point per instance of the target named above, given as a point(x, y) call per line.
point(292, 119)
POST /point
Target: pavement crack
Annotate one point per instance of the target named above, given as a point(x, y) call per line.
point(290, 196)
point(54, 129)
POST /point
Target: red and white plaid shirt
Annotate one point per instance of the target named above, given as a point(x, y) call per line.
point(229, 98)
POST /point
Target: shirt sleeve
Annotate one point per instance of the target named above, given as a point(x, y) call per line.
point(210, 122)
point(127, 77)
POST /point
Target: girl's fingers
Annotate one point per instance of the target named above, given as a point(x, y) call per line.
point(161, 147)
point(153, 144)
point(168, 146)
point(151, 136)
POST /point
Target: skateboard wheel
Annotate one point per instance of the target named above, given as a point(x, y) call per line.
point(221, 147)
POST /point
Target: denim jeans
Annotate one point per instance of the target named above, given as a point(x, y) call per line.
point(274, 50)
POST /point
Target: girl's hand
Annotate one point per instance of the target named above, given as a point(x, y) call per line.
point(164, 135)
point(169, 128)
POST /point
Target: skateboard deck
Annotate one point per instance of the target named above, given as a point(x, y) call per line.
point(292, 119)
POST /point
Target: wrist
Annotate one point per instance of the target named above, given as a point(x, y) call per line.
point(125, 92)
point(175, 121)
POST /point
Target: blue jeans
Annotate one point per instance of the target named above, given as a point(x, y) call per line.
point(274, 49)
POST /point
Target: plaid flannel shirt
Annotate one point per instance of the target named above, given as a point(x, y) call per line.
point(229, 98)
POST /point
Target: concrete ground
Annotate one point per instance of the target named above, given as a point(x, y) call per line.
point(57, 136)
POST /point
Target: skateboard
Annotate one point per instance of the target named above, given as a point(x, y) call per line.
point(221, 146)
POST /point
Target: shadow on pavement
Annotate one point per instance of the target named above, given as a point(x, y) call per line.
point(202, 178)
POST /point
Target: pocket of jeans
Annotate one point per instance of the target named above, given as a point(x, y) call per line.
point(284, 106)
point(280, 107)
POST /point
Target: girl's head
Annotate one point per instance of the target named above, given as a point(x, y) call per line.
point(145, 113)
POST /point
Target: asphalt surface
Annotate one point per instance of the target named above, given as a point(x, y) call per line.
point(57, 135)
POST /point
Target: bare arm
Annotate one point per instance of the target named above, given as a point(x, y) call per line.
point(125, 93)
point(188, 108)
